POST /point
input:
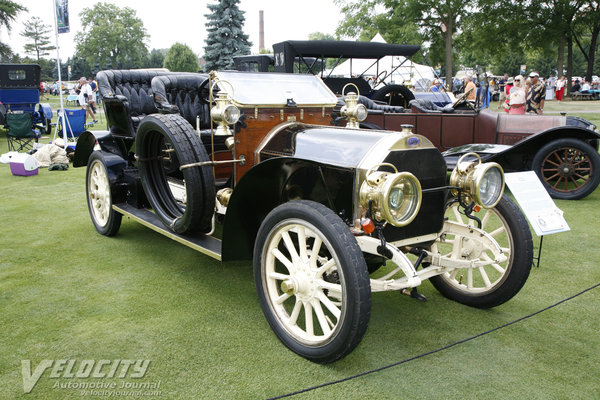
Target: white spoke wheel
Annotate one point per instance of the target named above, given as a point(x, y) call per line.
point(496, 282)
point(312, 281)
point(99, 197)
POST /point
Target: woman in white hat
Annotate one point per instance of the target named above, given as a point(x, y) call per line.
point(517, 96)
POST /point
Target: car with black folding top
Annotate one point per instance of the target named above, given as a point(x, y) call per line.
point(250, 166)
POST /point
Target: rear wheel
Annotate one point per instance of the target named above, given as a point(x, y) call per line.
point(99, 197)
point(497, 282)
point(568, 168)
point(312, 281)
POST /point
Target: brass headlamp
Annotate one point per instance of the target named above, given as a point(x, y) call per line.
point(353, 111)
point(480, 182)
point(393, 197)
point(224, 113)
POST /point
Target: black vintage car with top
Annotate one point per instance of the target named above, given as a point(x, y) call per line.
point(562, 150)
point(251, 166)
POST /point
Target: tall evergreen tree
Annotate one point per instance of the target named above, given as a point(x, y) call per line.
point(226, 37)
point(37, 34)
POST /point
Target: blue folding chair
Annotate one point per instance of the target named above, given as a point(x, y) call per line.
point(75, 121)
point(21, 133)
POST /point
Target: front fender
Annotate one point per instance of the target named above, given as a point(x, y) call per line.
point(261, 189)
point(87, 141)
point(519, 156)
point(45, 111)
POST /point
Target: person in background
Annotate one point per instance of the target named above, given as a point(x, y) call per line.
point(436, 86)
point(576, 87)
point(502, 88)
point(559, 88)
point(94, 86)
point(470, 88)
point(517, 96)
point(536, 94)
point(586, 87)
point(85, 93)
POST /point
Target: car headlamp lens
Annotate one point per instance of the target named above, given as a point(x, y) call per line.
point(361, 112)
point(231, 114)
point(490, 187)
point(392, 197)
point(403, 199)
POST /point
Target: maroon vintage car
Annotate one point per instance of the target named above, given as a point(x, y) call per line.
point(562, 150)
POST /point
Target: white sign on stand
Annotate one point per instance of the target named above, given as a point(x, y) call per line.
point(536, 203)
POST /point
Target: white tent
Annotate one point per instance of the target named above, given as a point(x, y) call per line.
point(398, 69)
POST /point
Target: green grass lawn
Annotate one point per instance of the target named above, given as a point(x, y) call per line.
point(68, 293)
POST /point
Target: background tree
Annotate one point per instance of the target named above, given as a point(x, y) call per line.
point(320, 36)
point(226, 37)
point(181, 58)
point(8, 13)
point(112, 37)
point(396, 20)
point(37, 34)
point(156, 58)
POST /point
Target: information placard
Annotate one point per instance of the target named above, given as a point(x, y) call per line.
point(536, 203)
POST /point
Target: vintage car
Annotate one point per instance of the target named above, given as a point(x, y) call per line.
point(249, 166)
point(562, 150)
point(379, 70)
point(20, 93)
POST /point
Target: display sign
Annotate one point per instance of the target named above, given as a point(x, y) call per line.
point(536, 203)
point(62, 16)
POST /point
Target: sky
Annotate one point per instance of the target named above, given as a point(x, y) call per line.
point(183, 21)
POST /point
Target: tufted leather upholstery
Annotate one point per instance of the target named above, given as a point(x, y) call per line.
point(427, 106)
point(183, 93)
point(371, 105)
point(127, 97)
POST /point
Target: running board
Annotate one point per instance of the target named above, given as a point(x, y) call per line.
point(204, 244)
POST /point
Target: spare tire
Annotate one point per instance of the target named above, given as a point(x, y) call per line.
point(153, 133)
point(394, 95)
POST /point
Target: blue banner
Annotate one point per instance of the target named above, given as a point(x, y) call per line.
point(62, 15)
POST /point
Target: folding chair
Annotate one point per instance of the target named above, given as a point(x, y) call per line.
point(75, 121)
point(21, 134)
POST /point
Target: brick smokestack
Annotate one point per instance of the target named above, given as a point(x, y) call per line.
point(261, 30)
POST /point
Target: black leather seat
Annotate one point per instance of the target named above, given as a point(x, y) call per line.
point(428, 106)
point(371, 105)
point(183, 94)
point(127, 97)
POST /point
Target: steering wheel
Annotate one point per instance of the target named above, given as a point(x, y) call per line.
point(379, 78)
point(461, 98)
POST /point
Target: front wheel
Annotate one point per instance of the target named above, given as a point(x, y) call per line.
point(568, 168)
point(495, 283)
point(99, 197)
point(312, 281)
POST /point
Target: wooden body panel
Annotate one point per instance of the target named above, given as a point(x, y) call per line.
point(260, 121)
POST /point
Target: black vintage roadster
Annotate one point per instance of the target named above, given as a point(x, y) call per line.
point(249, 166)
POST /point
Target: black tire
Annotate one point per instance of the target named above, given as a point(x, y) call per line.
point(568, 168)
point(48, 126)
point(99, 196)
point(507, 225)
point(394, 95)
point(156, 133)
point(348, 273)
